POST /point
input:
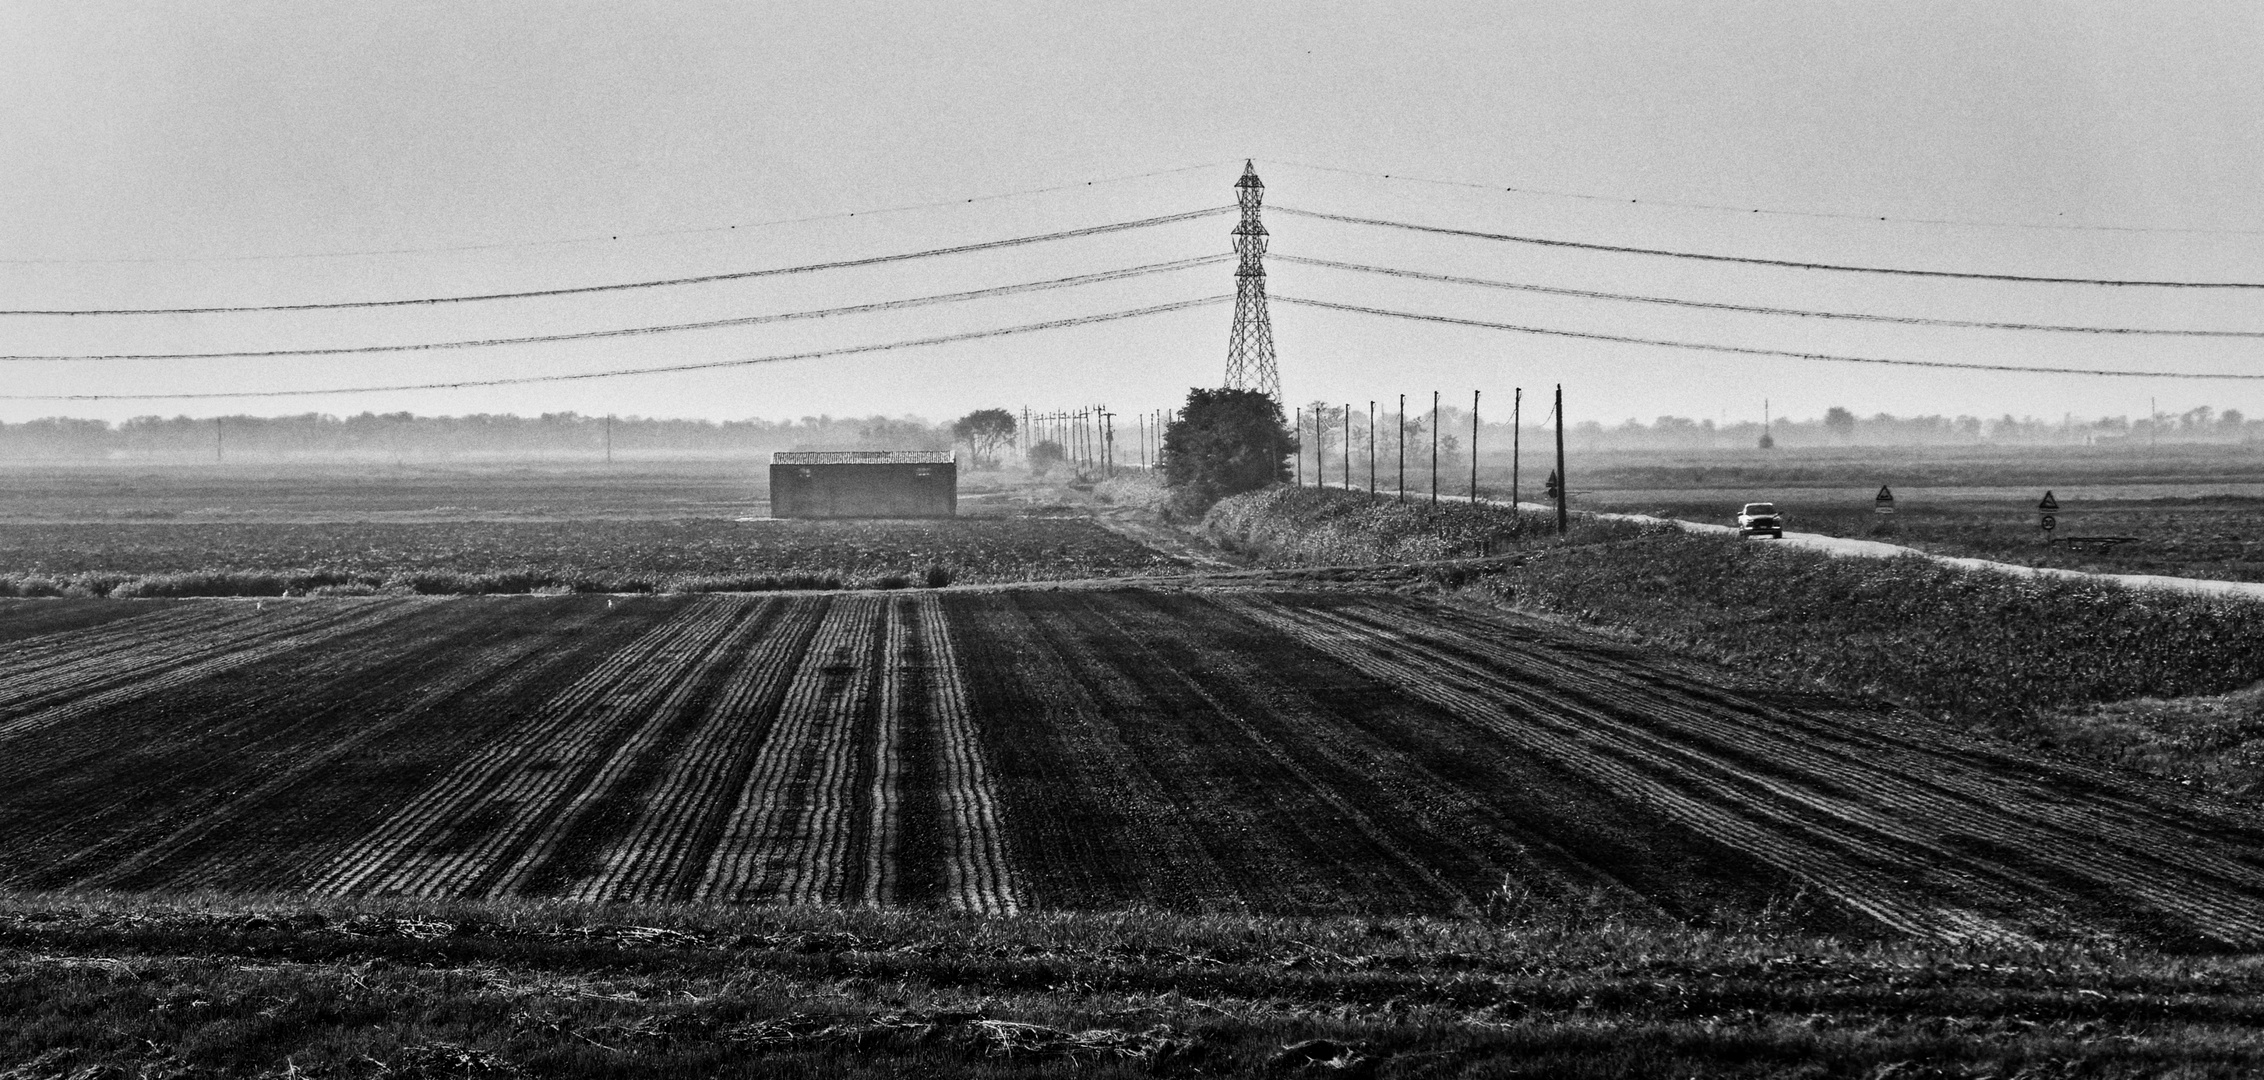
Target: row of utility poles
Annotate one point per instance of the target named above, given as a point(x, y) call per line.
point(1556, 486)
point(1086, 436)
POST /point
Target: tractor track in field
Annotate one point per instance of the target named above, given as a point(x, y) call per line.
point(1317, 747)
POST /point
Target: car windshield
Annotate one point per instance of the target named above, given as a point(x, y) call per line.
point(1760, 508)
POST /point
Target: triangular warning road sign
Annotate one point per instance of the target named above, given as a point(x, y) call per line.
point(1884, 495)
point(2049, 504)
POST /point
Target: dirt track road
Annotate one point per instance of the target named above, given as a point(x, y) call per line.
point(1258, 749)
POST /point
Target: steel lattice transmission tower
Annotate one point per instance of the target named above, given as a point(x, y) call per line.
point(1250, 347)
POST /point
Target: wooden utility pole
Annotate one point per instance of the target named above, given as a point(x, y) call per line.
point(1434, 448)
point(1347, 446)
point(1371, 449)
point(1402, 441)
point(1473, 447)
point(1563, 484)
point(1300, 454)
point(219, 441)
point(609, 438)
point(1516, 421)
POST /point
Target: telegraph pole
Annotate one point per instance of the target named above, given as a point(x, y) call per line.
point(1434, 448)
point(1516, 420)
point(1371, 449)
point(609, 438)
point(1346, 446)
point(1563, 486)
point(219, 441)
point(1402, 441)
point(1473, 447)
point(1300, 454)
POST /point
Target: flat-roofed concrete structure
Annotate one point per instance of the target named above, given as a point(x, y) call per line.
point(864, 484)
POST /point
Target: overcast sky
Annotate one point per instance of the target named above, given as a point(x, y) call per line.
point(165, 155)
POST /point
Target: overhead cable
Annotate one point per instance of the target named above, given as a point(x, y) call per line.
point(616, 373)
point(1787, 263)
point(1902, 319)
point(738, 275)
point(639, 331)
point(1836, 215)
point(698, 230)
point(1747, 351)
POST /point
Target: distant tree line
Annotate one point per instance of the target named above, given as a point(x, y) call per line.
point(1840, 426)
point(402, 436)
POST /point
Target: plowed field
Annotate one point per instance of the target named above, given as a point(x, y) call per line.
point(1261, 750)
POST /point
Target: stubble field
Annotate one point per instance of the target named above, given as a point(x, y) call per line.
point(1262, 750)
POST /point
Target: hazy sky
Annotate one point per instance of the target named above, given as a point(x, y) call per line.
point(184, 155)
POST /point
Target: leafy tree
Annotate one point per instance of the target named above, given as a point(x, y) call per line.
point(1224, 442)
point(984, 431)
point(1839, 422)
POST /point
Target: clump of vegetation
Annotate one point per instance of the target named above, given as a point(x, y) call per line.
point(1135, 490)
point(2214, 742)
point(1224, 442)
point(1986, 650)
point(1330, 526)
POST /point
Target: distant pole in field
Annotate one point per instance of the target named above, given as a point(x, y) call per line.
point(1516, 421)
point(219, 441)
point(1402, 441)
point(609, 438)
point(1371, 449)
point(1434, 448)
point(1300, 456)
point(1473, 447)
point(1347, 446)
point(1563, 482)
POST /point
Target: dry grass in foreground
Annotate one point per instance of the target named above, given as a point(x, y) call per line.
point(113, 986)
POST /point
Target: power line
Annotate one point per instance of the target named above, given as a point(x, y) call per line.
point(1746, 351)
point(1543, 242)
point(699, 230)
point(1902, 319)
point(1836, 215)
point(615, 373)
point(639, 331)
point(740, 275)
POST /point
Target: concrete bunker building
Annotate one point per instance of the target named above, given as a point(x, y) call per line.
point(864, 484)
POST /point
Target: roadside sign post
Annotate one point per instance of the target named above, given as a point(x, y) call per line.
point(1884, 501)
point(2049, 508)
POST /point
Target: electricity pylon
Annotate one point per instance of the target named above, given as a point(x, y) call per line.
point(1250, 347)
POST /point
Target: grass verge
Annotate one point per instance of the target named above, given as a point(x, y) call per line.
point(97, 985)
point(2031, 658)
point(1329, 526)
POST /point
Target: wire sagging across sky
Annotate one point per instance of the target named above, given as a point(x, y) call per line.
point(738, 275)
point(1749, 351)
point(1838, 215)
point(1754, 261)
point(639, 331)
point(693, 231)
point(1906, 320)
point(617, 373)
